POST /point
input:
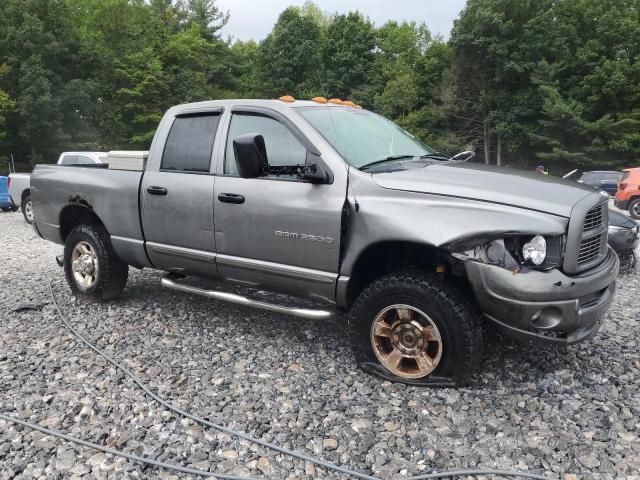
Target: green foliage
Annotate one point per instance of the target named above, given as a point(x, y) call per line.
point(289, 58)
point(347, 55)
point(6, 104)
point(522, 81)
point(558, 81)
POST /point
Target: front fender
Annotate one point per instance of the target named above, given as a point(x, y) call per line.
point(380, 215)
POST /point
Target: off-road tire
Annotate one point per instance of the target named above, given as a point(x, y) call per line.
point(24, 207)
point(634, 208)
point(455, 317)
point(112, 274)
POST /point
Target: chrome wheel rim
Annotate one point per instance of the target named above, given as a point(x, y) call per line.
point(84, 263)
point(636, 209)
point(406, 341)
point(28, 211)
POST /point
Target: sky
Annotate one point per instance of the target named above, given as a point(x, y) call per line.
point(254, 19)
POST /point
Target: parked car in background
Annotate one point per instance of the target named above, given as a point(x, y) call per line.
point(5, 200)
point(606, 180)
point(624, 236)
point(628, 194)
point(336, 204)
point(20, 183)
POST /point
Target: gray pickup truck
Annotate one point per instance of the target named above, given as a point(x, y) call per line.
point(333, 203)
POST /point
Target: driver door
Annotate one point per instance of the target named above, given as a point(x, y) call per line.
point(280, 233)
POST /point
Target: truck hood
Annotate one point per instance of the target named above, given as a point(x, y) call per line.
point(486, 183)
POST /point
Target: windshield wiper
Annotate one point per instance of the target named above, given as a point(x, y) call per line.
point(390, 158)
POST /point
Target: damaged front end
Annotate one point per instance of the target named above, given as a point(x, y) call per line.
point(519, 285)
point(517, 253)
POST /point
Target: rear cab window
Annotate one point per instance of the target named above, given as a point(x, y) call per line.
point(69, 160)
point(190, 143)
point(85, 160)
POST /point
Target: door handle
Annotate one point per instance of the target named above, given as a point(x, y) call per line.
point(231, 198)
point(156, 190)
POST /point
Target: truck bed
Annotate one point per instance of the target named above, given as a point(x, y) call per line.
point(113, 195)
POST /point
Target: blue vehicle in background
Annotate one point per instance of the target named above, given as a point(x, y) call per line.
point(5, 200)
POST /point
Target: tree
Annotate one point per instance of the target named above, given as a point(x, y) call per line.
point(245, 61)
point(39, 47)
point(348, 55)
point(207, 16)
point(589, 85)
point(6, 104)
point(289, 58)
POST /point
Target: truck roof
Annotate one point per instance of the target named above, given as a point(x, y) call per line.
point(276, 104)
point(85, 153)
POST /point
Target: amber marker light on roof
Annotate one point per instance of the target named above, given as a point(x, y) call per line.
point(319, 100)
point(287, 98)
point(337, 101)
point(349, 103)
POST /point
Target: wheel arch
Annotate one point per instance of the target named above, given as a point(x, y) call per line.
point(25, 193)
point(383, 257)
point(77, 212)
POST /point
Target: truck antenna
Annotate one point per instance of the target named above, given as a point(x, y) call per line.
point(333, 123)
point(335, 132)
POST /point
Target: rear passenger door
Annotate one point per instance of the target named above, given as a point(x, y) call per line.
point(177, 197)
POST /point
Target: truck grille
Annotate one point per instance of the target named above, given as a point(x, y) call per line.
point(593, 218)
point(589, 249)
point(587, 235)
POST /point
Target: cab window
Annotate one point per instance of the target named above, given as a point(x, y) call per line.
point(69, 160)
point(190, 143)
point(283, 148)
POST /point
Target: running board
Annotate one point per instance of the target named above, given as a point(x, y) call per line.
point(240, 300)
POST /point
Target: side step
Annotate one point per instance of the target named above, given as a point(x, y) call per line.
point(240, 300)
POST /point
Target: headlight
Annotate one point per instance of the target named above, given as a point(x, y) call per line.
point(514, 252)
point(535, 250)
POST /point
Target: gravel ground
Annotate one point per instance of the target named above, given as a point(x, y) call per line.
point(554, 411)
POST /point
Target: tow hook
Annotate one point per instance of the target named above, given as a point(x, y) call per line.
point(60, 260)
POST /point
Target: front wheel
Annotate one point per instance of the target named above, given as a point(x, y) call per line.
point(27, 209)
point(415, 328)
point(634, 209)
point(92, 268)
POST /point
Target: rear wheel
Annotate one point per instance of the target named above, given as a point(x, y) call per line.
point(27, 209)
point(416, 328)
point(634, 209)
point(92, 268)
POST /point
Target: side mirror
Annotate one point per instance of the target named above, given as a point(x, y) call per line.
point(315, 170)
point(314, 174)
point(251, 155)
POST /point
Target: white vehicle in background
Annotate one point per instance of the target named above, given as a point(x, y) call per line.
point(20, 183)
